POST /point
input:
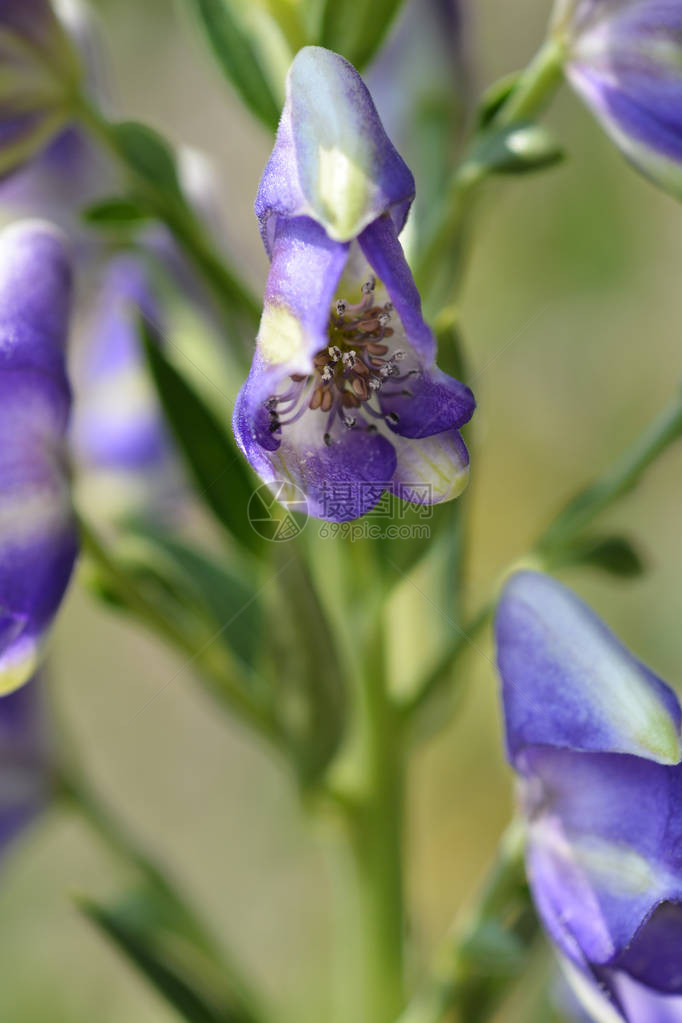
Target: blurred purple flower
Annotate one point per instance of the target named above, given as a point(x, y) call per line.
point(25, 761)
point(595, 738)
point(38, 536)
point(344, 397)
point(40, 75)
point(624, 57)
point(125, 456)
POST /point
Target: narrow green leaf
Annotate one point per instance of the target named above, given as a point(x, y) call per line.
point(115, 211)
point(205, 582)
point(223, 481)
point(616, 555)
point(355, 30)
point(238, 57)
point(174, 975)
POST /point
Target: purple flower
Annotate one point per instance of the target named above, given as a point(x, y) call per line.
point(624, 57)
point(40, 77)
point(344, 400)
point(25, 760)
point(595, 738)
point(124, 454)
point(38, 537)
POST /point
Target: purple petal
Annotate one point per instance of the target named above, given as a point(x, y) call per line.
point(119, 423)
point(337, 482)
point(568, 682)
point(304, 275)
point(38, 540)
point(626, 62)
point(332, 160)
point(25, 760)
point(604, 841)
point(642, 1005)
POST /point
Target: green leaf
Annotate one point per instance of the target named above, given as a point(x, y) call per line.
point(495, 97)
point(516, 149)
point(613, 554)
point(205, 582)
point(223, 481)
point(189, 980)
point(355, 30)
point(115, 212)
point(148, 154)
point(239, 57)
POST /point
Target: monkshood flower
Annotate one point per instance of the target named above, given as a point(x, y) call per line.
point(344, 399)
point(40, 77)
point(594, 736)
point(38, 536)
point(24, 761)
point(624, 57)
point(124, 454)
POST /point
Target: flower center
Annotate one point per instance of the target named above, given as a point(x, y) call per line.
point(349, 372)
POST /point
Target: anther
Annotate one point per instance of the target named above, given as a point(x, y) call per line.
point(349, 422)
point(393, 418)
point(327, 374)
point(375, 383)
point(334, 353)
point(327, 439)
point(349, 359)
point(399, 355)
point(388, 307)
point(274, 426)
point(341, 306)
point(383, 319)
point(369, 285)
point(271, 403)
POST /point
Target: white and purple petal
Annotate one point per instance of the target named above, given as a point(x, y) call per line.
point(332, 161)
point(38, 536)
point(569, 683)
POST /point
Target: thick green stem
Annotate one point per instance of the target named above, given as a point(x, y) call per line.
point(374, 924)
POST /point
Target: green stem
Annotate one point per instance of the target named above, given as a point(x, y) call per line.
point(536, 86)
point(375, 840)
point(621, 478)
point(458, 980)
point(532, 92)
point(229, 291)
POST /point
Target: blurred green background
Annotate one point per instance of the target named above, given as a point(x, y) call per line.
point(571, 311)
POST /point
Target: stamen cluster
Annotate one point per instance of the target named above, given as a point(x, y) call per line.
point(349, 372)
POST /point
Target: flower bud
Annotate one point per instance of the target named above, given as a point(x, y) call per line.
point(594, 736)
